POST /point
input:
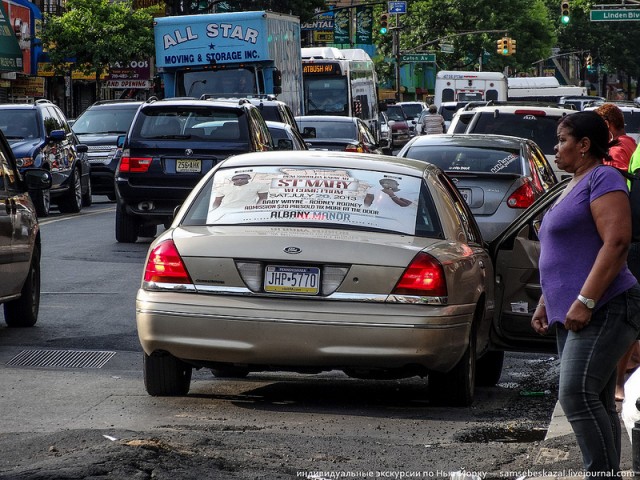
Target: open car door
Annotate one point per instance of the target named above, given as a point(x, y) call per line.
point(515, 254)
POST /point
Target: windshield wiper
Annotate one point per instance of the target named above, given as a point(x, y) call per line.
point(177, 137)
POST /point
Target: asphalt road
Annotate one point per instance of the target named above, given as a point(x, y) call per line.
point(74, 406)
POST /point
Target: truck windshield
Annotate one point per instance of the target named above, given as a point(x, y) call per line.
point(239, 82)
point(326, 96)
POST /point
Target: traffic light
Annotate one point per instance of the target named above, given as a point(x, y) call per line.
point(589, 62)
point(384, 23)
point(564, 12)
point(503, 46)
point(512, 46)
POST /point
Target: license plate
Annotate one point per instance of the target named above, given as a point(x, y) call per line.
point(188, 166)
point(466, 194)
point(290, 279)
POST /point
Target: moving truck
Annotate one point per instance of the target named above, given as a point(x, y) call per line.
point(238, 54)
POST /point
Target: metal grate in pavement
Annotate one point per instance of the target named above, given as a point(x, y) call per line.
point(61, 358)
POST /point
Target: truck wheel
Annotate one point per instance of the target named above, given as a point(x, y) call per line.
point(148, 231)
point(72, 200)
point(127, 226)
point(23, 311)
point(456, 387)
point(166, 375)
point(489, 369)
point(41, 201)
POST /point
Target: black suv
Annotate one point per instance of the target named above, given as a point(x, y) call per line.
point(19, 239)
point(99, 127)
point(41, 137)
point(171, 144)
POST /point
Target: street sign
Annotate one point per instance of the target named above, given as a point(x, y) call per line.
point(446, 48)
point(615, 15)
point(397, 7)
point(418, 57)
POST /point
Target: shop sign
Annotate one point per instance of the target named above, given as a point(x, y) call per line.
point(128, 84)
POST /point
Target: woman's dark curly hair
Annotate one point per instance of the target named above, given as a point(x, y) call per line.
point(592, 126)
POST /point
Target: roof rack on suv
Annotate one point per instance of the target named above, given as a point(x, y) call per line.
point(526, 103)
point(42, 100)
point(107, 102)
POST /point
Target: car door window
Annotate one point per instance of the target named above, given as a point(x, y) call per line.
point(50, 120)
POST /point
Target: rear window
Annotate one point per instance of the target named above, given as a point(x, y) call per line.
point(105, 120)
point(191, 124)
point(311, 129)
point(539, 128)
point(632, 121)
point(328, 197)
point(472, 160)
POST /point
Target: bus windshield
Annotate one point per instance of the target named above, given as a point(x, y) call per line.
point(238, 82)
point(326, 96)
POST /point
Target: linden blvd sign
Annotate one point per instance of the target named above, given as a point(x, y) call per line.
point(614, 15)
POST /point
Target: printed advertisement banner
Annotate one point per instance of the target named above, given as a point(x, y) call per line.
point(364, 25)
point(360, 198)
point(341, 30)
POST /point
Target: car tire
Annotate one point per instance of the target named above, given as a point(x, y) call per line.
point(87, 197)
point(230, 372)
point(42, 202)
point(489, 369)
point(166, 375)
point(127, 226)
point(23, 312)
point(72, 200)
point(457, 387)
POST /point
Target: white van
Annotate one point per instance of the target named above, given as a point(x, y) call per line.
point(452, 86)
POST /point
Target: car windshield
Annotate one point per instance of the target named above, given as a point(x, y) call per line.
point(412, 109)
point(107, 120)
point(632, 121)
point(311, 129)
point(396, 114)
point(18, 124)
point(539, 128)
point(201, 124)
point(312, 197)
point(468, 159)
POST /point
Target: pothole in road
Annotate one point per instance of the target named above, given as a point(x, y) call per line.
point(503, 435)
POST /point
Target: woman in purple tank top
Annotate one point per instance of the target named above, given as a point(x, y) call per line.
point(588, 293)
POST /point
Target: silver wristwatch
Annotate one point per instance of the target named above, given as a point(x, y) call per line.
point(590, 303)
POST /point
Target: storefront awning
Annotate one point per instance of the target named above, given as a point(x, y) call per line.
point(10, 53)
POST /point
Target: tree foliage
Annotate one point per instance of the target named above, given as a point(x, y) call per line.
point(94, 34)
point(473, 27)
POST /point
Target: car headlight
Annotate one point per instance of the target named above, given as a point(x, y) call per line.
point(24, 162)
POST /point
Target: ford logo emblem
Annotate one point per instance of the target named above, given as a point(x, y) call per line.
point(188, 152)
point(292, 250)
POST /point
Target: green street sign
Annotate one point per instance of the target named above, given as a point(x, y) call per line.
point(615, 15)
point(418, 57)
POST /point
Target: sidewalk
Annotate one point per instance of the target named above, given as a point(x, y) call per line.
point(559, 457)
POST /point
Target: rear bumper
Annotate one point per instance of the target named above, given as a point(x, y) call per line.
point(291, 334)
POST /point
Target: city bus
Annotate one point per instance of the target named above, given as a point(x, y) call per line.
point(341, 82)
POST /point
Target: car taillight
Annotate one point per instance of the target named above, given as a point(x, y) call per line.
point(535, 113)
point(354, 148)
point(424, 276)
point(134, 164)
point(165, 265)
point(522, 197)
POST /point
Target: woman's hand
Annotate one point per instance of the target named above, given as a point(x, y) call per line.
point(539, 320)
point(578, 317)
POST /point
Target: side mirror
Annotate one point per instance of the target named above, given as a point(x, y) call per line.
point(37, 179)
point(57, 135)
point(82, 148)
point(284, 144)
